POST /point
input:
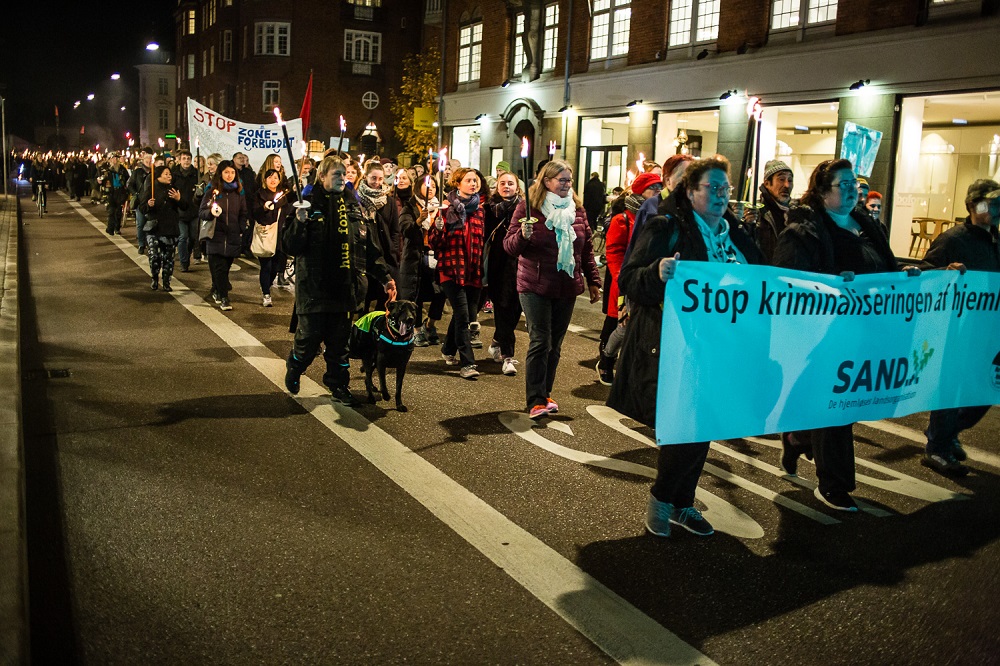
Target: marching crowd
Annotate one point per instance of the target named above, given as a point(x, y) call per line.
point(370, 232)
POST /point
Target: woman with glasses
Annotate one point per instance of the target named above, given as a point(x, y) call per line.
point(696, 226)
point(554, 259)
point(825, 234)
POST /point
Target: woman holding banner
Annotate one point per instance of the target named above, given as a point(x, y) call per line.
point(825, 234)
point(697, 226)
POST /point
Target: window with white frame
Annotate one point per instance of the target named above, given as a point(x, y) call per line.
point(227, 45)
point(191, 25)
point(610, 25)
point(272, 39)
point(789, 14)
point(361, 46)
point(550, 38)
point(271, 94)
point(162, 86)
point(164, 118)
point(470, 52)
point(518, 62)
point(693, 21)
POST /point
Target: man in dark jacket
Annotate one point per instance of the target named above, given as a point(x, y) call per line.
point(330, 244)
point(135, 185)
point(114, 181)
point(776, 196)
point(594, 199)
point(248, 178)
point(975, 246)
point(185, 181)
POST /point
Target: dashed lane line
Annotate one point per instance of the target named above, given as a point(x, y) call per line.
point(619, 629)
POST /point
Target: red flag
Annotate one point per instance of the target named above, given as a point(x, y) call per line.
point(307, 107)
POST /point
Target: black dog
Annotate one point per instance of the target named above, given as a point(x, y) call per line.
point(385, 340)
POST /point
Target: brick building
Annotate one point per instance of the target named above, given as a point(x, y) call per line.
point(242, 58)
point(656, 77)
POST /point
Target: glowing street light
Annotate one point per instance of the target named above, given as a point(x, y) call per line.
point(76, 104)
point(152, 46)
point(116, 76)
point(123, 108)
point(90, 97)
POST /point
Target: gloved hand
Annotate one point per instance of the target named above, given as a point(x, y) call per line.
point(269, 205)
point(216, 210)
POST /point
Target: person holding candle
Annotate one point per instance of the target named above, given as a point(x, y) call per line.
point(457, 240)
point(382, 217)
point(555, 260)
point(225, 202)
point(501, 270)
point(428, 289)
point(271, 207)
point(162, 205)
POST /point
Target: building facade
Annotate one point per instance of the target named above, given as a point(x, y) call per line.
point(157, 101)
point(612, 82)
point(242, 58)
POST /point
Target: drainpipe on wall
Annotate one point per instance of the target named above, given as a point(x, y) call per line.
point(569, 41)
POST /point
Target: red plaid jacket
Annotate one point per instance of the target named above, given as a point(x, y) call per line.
point(458, 260)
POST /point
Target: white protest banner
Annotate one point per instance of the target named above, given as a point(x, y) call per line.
point(217, 134)
point(749, 350)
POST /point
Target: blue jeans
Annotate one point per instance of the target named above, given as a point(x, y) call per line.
point(547, 319)
point(946, 424)
point(185, 244)
point(140, 222)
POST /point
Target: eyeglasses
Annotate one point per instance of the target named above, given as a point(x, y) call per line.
point(847, 185)
point(718, 190)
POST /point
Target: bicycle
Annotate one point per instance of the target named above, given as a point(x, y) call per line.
point(41, 199)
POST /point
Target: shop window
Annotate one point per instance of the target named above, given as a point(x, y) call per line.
point(609, 28)
point(693, 21)
point(550, 39)
point(470, 50)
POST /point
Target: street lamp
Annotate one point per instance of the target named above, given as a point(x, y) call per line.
point(90, 97)
point(152, 46)
point(116, 76)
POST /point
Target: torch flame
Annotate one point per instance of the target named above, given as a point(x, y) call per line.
point(277, 115)
point(443, 159)
point(753, 108)
point(343, 124)
point(639, 163)
point(524, 147)
point(160, 141)
point(552, 148)
point(629, 177)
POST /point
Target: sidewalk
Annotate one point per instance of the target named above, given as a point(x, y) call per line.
point(13, 564)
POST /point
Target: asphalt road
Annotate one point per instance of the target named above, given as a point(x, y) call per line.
point(184, 509)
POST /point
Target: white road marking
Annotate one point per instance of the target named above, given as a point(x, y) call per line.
point(724, 516)
point(619, 629)
point(576, 328)
point(977, 455)
point(613, 420)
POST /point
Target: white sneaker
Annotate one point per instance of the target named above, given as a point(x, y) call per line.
point(267, 300)
point(450, 360)
point(509, 366)
point(474, 338)
point(468, 372)
point(494, 352)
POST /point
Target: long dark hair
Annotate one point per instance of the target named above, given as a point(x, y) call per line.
point(217, 178)
point(821, 181)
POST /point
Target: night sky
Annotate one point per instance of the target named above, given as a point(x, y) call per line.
point(54, 53)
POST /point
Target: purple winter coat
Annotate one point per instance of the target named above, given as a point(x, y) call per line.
point(536, 257)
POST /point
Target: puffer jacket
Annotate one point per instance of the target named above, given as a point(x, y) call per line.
point(229, 226)
point(633, 392)
point(812, 242)
point(315, 243)
point(537, 257)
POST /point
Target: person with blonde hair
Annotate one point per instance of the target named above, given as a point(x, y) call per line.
point(555, 260)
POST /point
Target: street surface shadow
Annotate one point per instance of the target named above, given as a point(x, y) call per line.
point(263, 406)
point(461, 428)
point(725, 586)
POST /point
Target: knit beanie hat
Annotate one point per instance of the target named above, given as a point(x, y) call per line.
point(643, 181)
point(503, 166)
point(775, 166)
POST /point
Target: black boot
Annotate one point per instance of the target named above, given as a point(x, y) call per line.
point(155, 284)
point(292, 375)
point(166, 284)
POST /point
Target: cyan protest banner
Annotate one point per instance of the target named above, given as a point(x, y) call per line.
point(215, 133)
point(749, 350)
